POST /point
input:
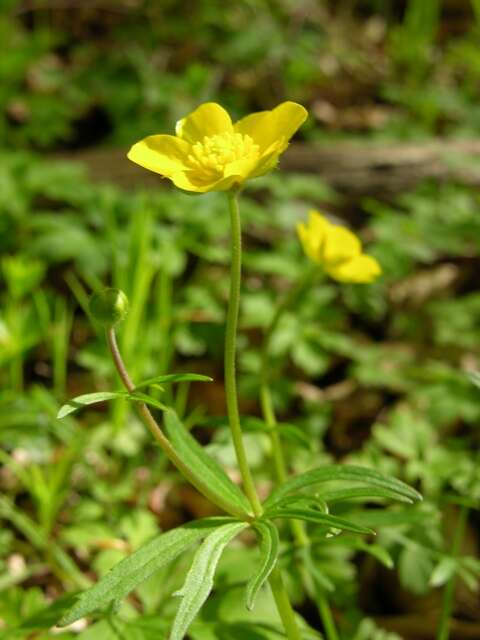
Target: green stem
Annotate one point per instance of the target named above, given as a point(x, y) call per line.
point(158, 434)
point(280, 594)
point(443, 632)
point(326, 615)
point(230, 354)
point(279, 465)
point(284, 607)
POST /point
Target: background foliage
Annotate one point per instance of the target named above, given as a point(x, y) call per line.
point(376, 375)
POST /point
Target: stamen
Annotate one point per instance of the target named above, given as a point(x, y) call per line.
point(214, 153)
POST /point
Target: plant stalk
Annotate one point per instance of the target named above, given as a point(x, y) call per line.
point(158, 434)
point(284, 607)
point(279, 464)
point(230, 354)
point(280, 594)
point(443, 632)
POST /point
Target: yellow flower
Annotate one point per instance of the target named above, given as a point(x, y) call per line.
point(337, 250)
point(209, 153)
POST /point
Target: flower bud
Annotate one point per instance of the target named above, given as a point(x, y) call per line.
point(108, 307)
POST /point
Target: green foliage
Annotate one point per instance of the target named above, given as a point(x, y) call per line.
point(102, 396)
point(141, 564)
point(269, 550)
point(369, 383)
point(226, 491)
point(199, 581)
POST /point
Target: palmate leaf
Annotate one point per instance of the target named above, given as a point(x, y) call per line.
point(269, 548)
point(140, 565)
point(199, 580)
point(335, 472)
point(312, 515)
point(204, 466)
point(101, 396)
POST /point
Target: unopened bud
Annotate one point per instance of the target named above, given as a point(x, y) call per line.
point(109, 306)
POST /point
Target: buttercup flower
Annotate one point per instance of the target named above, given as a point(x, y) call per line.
point(337, 250)
point(210, 153)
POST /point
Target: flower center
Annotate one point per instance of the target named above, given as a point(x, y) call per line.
point(210, 156)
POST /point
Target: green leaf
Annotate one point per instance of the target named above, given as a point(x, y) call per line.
point(199, 580)
point(376, 551)
point(415, 567)
point(211, 473)
point(101, 396)
point(302, 501)
point(84, 400)
point(173, 377)
point(269, 547)
point(442, 573)
point(334, 472)
point(360, 493)
point(311, 515)
point(141, 564)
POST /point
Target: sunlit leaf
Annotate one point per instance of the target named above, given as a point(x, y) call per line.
point(269, 548)
point(199, 580)
point(212, 474)
point(173, 377)
point(141, 564)
point(311, 515)
point(329, 473)
point(101, 396)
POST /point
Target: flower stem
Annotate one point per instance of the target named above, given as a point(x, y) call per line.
point(279, 465)
point(158, 434)
point(280, 594)
point(443, 632)
point(284, 607)
point(230, 354)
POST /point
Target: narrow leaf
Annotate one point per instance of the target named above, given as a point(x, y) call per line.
point(140, 565)
point(137, 396)
point(360, 493)
point(336, 472)
point(173, 377)
point(375, 550)
point(199, 580)
point(101, 396)
point(203, 465)
point(311, 515)
point(269, 547)
point(89, 398)
point(302, 501)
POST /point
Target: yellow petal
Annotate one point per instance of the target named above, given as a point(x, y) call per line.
point(318, 225)
point(187, 181)
point(267, 161)
point(162, 154)
point(340, 245)
point(268, 127)
point(361, 269)
point(207, 120)
point(241, 169)
point(312, 235)
point(309, 242)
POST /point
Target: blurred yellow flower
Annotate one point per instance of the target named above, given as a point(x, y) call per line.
point(337, 250)
point(210, 153)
